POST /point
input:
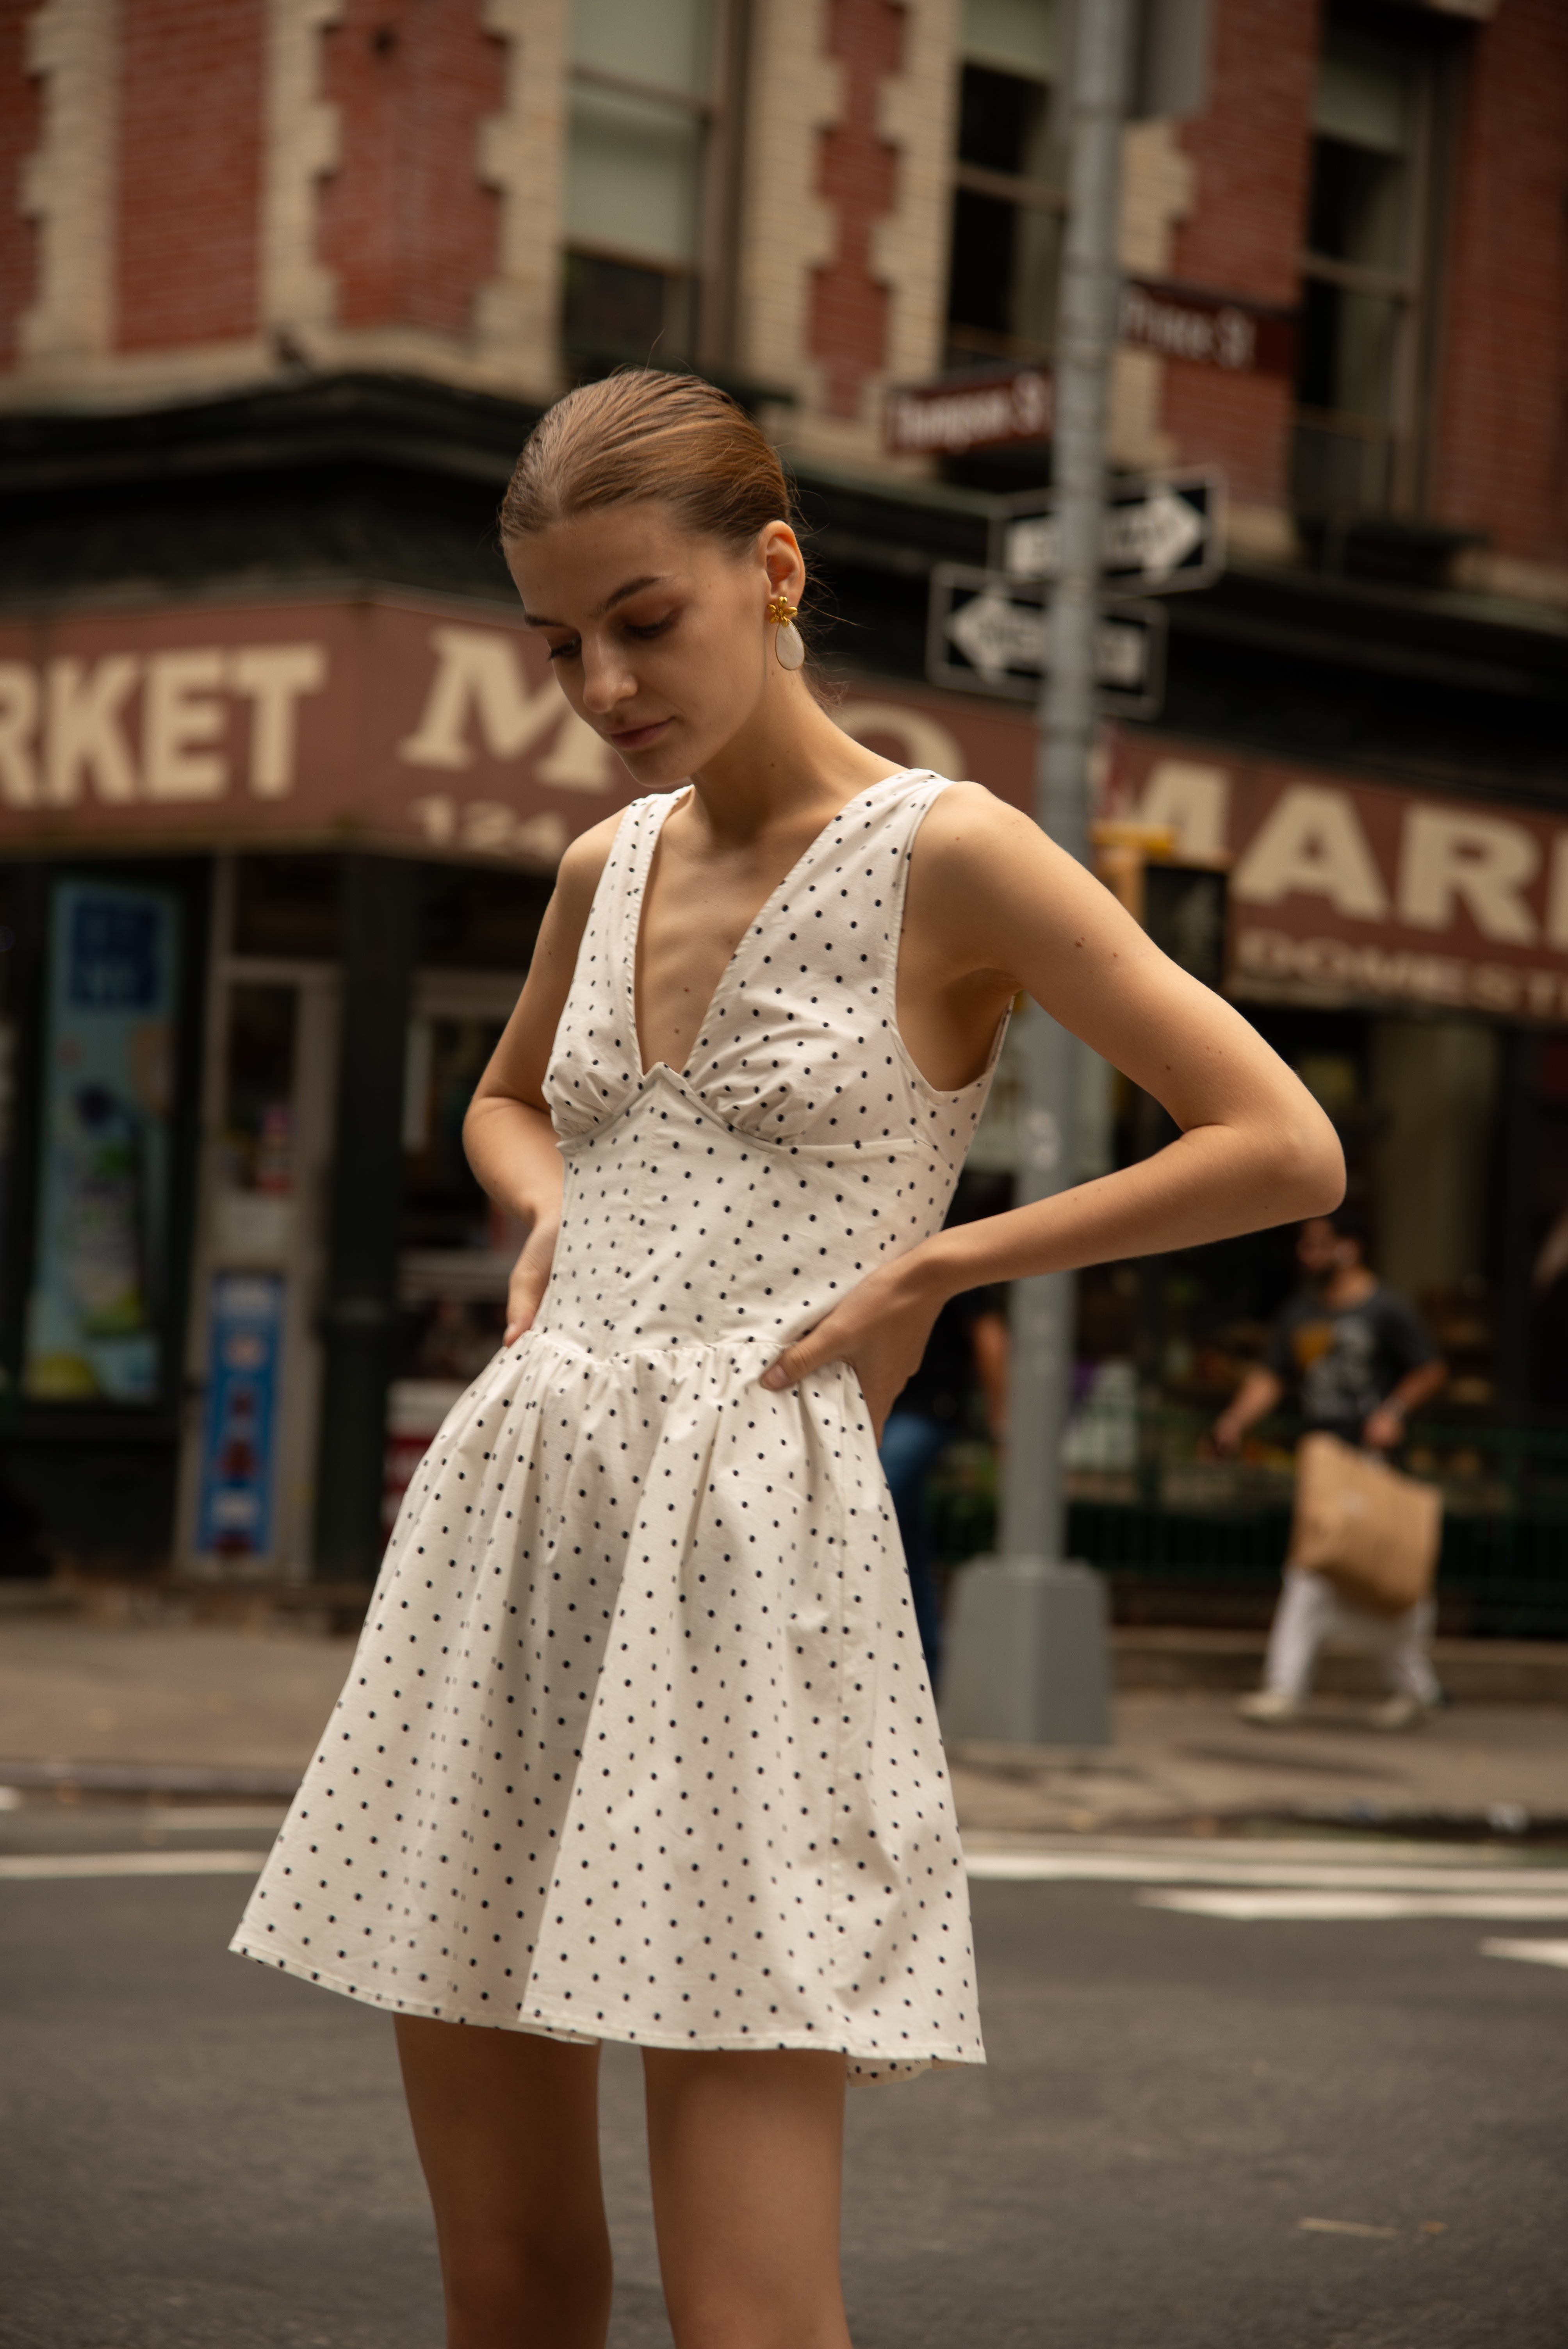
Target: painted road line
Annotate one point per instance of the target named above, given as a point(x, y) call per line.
point(1296, 1908)
point(1345, 2227)
point(1201, 1867)
point(163, 1818)
point(35, 1866)
point(1536, 1954)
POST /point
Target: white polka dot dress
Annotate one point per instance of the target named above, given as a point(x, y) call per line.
point(638, 1742)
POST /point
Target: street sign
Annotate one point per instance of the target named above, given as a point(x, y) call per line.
point(1163, 532)
point(988, 632)
point(985, 410)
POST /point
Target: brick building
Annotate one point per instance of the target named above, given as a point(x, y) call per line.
point(282, 284)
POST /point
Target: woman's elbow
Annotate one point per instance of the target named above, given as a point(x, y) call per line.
point(1307, 1176)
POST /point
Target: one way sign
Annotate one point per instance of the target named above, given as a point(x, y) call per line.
point(1164, 532)
point(991, 634)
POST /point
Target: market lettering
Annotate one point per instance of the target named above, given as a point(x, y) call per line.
point(1346, 965)
point(1194, 799)
point(65, 733)
point(480, 682)
point(1311, 843)
point(492, 829)
point(1479, 860)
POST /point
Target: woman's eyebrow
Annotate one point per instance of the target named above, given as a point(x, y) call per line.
point(632, 587)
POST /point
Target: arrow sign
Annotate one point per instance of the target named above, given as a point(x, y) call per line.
point(1161, 534)
point(988, 632)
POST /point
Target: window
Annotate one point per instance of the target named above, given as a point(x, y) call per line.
point(1008, 204)
point(1362, 297)
point(640, 154)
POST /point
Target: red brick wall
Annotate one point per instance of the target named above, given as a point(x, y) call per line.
point(192, 119)
point(21, 121)
point(1502, 433)
point(1252, 149)
point(406, 224)
point(849, 306)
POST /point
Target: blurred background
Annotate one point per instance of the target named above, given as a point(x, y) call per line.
point(284, 285)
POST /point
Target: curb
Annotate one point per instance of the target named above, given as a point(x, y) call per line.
point(1473, 1671)
point(147, 1778)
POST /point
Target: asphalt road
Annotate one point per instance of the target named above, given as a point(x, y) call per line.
point(196, 2154)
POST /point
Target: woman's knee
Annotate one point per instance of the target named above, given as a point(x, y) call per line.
point(504, 2286)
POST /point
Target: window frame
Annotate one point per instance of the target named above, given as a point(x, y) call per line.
point(710, 275)
point(973, 347)
point(1403, 434)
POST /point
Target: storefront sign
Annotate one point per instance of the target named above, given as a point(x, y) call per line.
point(103, 1160)
point(438, 727)
point(421, 724)
point(1345, 891)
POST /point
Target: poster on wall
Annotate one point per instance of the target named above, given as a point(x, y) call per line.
point(244, 1332)
point(94, 1317)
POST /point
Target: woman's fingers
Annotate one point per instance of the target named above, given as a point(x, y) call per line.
point(807, 1353)
point(530, 1278)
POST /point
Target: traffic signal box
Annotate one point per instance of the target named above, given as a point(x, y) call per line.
point(1181, 905)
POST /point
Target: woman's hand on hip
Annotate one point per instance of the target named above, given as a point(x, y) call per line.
point(881, 1330)
point(529, 1277)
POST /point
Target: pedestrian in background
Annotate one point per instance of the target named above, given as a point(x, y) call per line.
point(1360, 1362)
point(968, 1346)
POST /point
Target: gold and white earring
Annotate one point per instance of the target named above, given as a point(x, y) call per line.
point(788, 644)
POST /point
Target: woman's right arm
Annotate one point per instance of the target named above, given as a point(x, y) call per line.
point(507, 1133)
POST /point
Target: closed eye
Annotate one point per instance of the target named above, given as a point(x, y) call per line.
point(566, 652)
point(645, 630)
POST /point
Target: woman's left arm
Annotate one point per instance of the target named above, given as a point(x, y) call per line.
point(1001, 902)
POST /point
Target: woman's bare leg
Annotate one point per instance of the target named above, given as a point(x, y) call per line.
point(747, 2153)
point(507, 2127)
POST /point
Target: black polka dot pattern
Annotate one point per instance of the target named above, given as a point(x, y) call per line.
point(638, 1742)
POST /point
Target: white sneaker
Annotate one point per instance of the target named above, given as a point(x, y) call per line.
point(1267, 1706)
point(1403, 1711)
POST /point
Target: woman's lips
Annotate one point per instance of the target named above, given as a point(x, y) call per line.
point(637, 737)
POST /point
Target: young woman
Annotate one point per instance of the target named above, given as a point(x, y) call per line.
point(639, 1743)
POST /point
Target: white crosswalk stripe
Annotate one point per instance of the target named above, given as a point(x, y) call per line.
point(34, 1867)
point(1537, 1953)
point(1247, 1882)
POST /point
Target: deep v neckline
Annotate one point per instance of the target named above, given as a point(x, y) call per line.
point(645, 1068)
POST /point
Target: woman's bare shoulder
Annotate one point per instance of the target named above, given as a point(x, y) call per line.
point(583, 860)
point(967, 827)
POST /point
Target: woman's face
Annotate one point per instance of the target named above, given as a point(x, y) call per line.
point(661, 640)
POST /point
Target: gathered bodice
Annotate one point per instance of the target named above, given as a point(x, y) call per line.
point(740, 1197)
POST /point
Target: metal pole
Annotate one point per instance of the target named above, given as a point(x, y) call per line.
point(1032, 1512)
point(1027, 1658)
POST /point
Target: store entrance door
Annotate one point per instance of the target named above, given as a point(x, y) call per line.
point(458, 1247)
point(248, 1478)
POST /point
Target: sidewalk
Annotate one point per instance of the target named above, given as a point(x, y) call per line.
point(188, 1706)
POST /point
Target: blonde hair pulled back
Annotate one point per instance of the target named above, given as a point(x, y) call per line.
point(640, 435)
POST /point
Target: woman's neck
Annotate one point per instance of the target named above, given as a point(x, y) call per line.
point(787, 763)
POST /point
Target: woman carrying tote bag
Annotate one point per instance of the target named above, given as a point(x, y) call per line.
point(1364, 1544)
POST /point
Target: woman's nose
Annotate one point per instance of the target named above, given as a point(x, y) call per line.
point(605, 679)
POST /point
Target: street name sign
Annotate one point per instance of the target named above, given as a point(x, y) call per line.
point(989, 633)
point(1163, 532)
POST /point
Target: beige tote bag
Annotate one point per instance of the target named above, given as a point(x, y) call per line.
point(1373, 1532)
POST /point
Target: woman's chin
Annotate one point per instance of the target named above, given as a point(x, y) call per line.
point(665, 760)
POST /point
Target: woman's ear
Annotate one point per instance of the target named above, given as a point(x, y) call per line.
point(783, 560)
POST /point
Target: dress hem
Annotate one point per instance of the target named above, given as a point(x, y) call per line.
point(873, 2063)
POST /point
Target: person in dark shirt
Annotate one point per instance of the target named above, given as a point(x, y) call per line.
point(1360, 1362)
point(967, 1349)
point(968, 1345)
